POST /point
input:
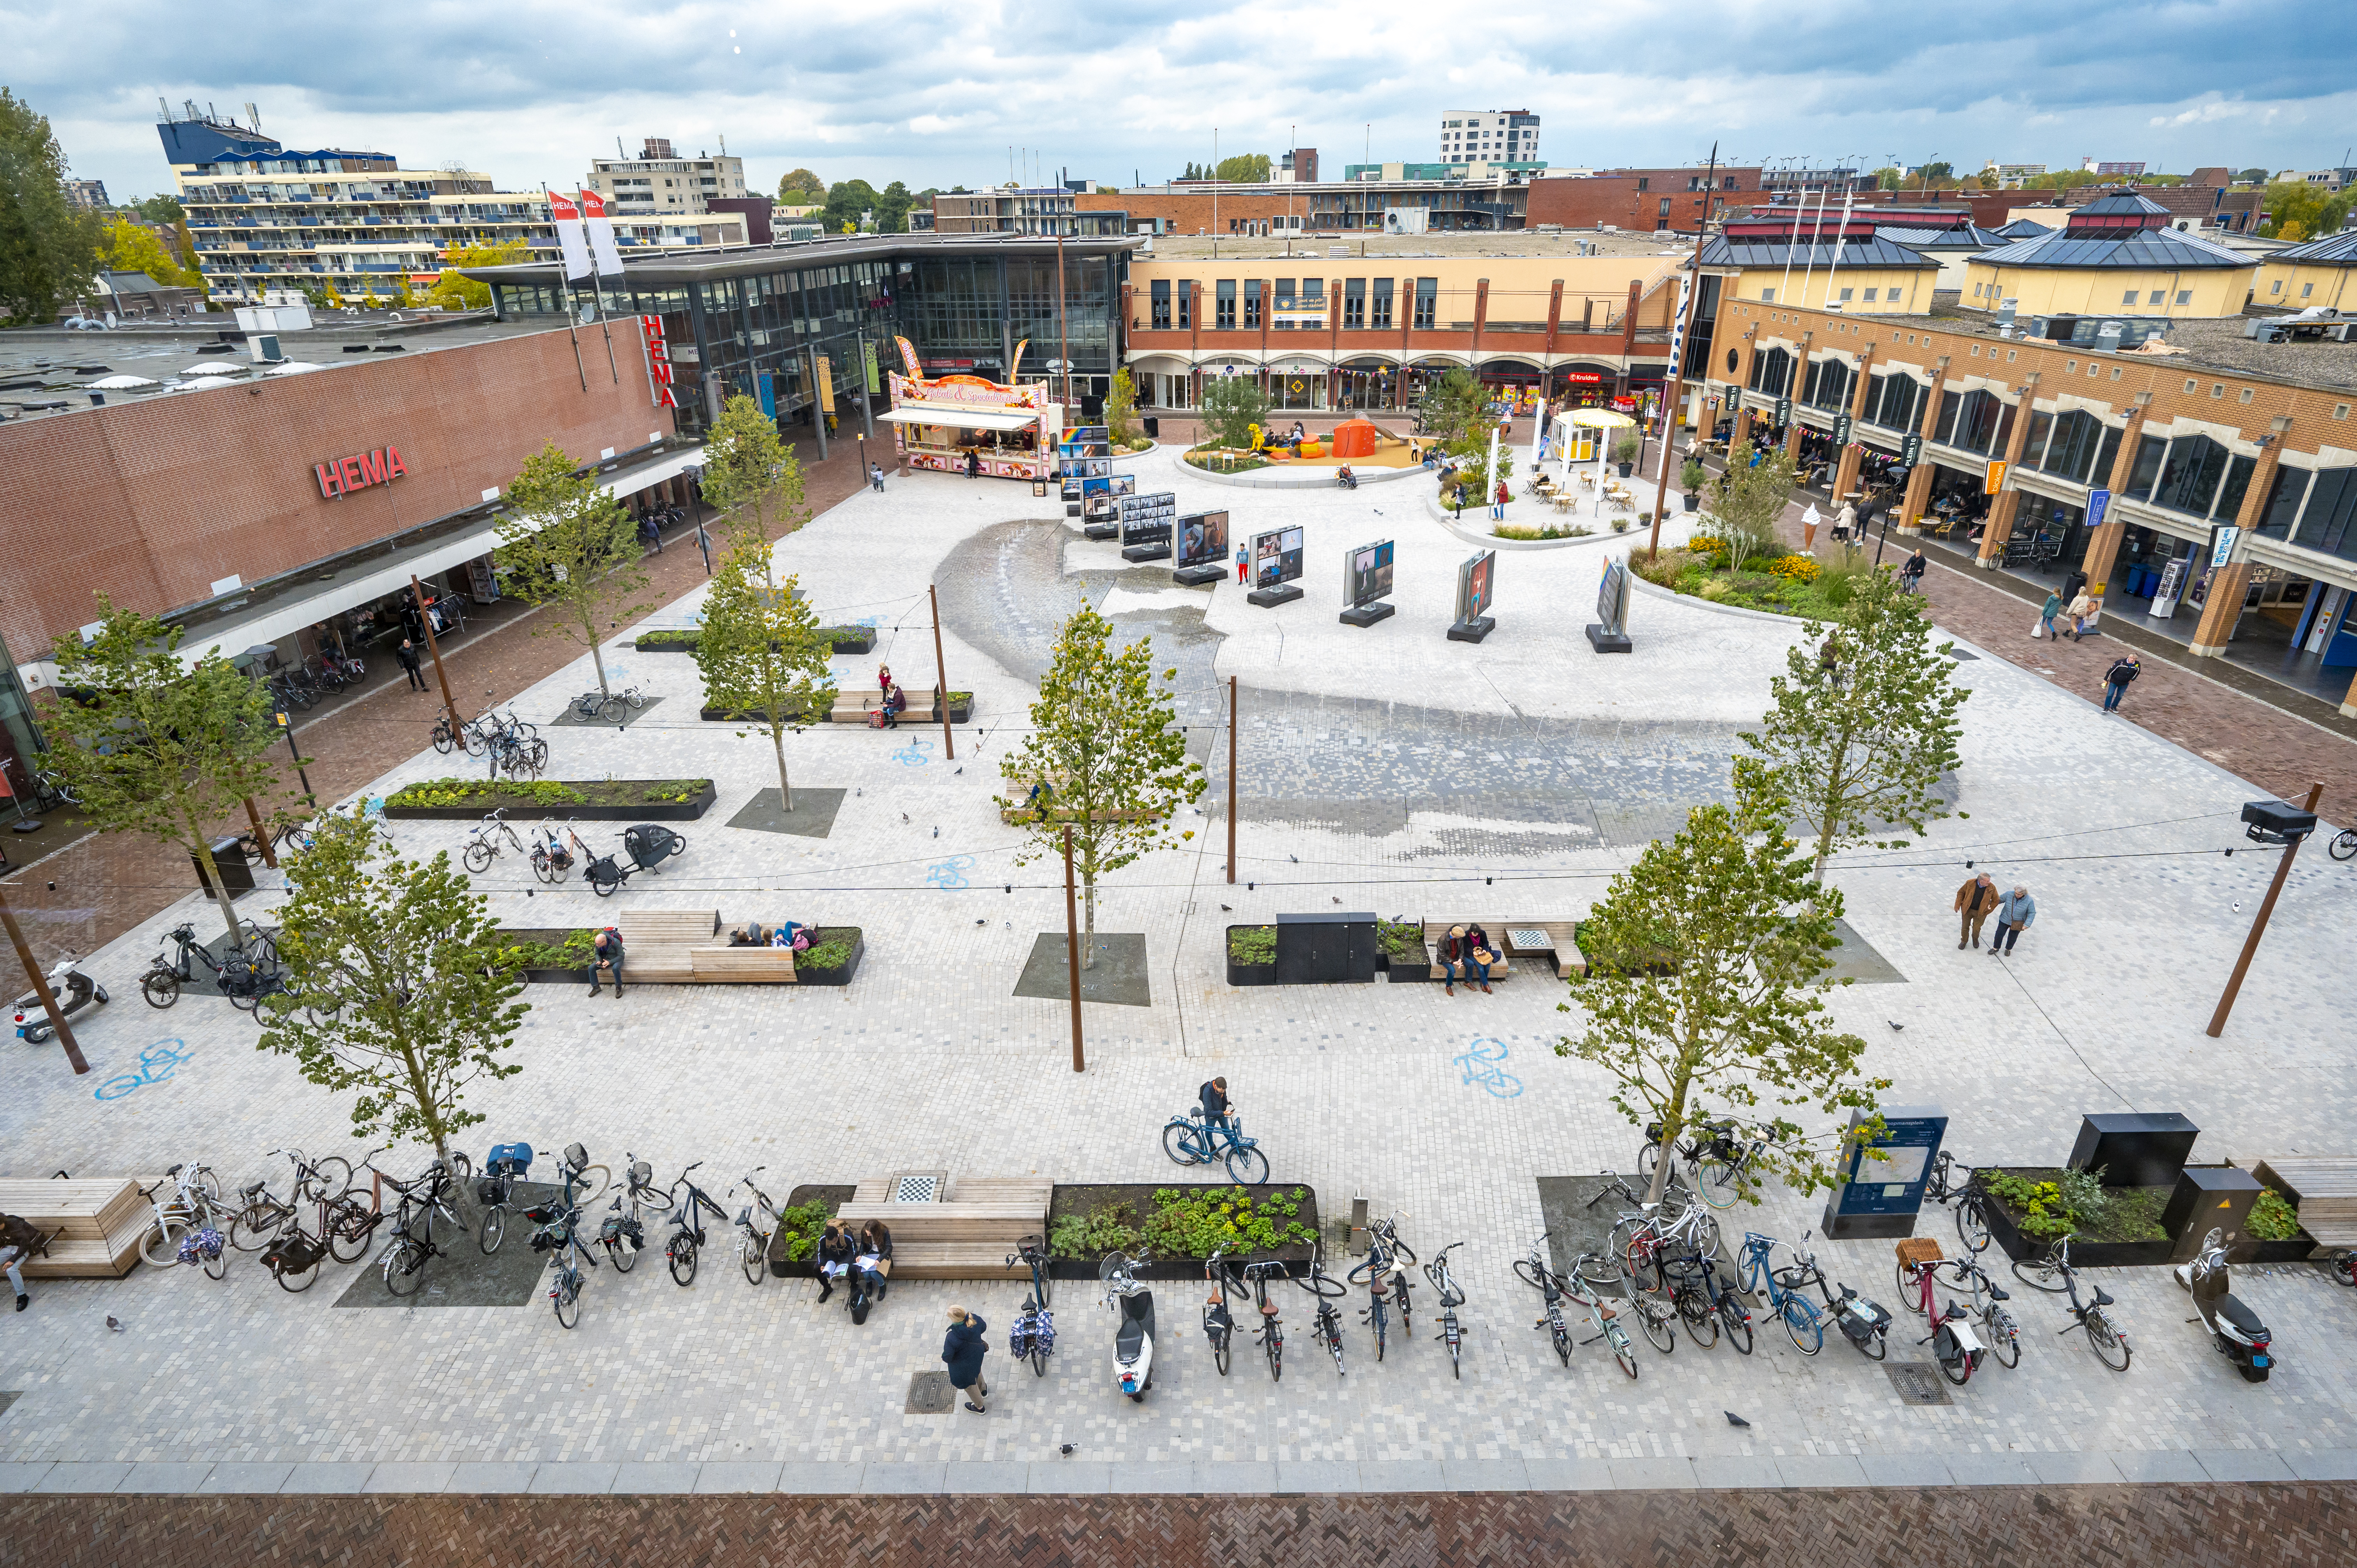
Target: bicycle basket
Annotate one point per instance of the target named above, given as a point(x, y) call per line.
point(577, 1157)
point(298, 1254)
point(542, 1213)
point(491, 1190)
point(548, 1238)
point(201, 1246)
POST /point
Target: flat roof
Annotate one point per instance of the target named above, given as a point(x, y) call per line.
point(746, 260)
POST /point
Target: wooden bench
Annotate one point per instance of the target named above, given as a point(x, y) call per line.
point(967, 1233)
point(853, 705)
point(677, 947)
point(1436, 932)
point(95, 1227)
point(2323, 1188)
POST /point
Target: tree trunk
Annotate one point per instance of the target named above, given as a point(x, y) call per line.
point(212, 875)
point(1673, 1121)
point(597, 657)
point(785, 790)
point(1824, 849)
point(1088, 927)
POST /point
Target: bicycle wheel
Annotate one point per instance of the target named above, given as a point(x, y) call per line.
point(588, 1194)
point(478, 856)
point(295, 1283)
point(622, 1257)
point(2111, 1345)
point(2041, 1275)
point(1623, 1350)
point(1379, 1320)
point(753, 1255)
point(1043, 1288)
point(1176, 1145)
point(567, 1297)
point(404, 1268)
point(1220, 1350)
point(1656, 1320)
point(1598, 1268)
point(162, 1249)
point(2005, 1338)
point(1803, 1325)
point(1249, 1166)
point(1455, 1343)
point(1649, 1158)
point(1702, 1323)
point(349, 1224)
point(544, 868)
point(161, 987)
point(1737, 1322)
point(681, 1257)
point(1910, 1293)
point(1972, 1223)
point(442, 742)
point(1039, 1358)
point(1561, 1333)
point(494, 1230)
point(2344, 844)
point(1272, 1340)
point(250, 1230)
point(332, 1177)
point(216, 1265)
point(1717, 1182)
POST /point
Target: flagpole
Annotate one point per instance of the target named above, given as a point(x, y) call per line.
point(566, 283)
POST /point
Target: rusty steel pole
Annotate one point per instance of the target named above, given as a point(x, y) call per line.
point(449, 703)
point(1072, 949)
point(74, 1048)
point(1231, 781)
point(2259, 926)
point(940, 675)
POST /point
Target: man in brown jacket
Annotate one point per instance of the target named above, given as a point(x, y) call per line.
point(1975, 901)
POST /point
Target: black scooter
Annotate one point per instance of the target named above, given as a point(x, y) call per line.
point(74, 991)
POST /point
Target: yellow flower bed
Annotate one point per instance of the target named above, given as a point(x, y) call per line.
point(1704, 544)
point(1798, 569)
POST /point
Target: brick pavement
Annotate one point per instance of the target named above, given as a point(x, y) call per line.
point(2282, 1526)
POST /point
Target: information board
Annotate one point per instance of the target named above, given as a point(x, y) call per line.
point(1202, 538)
point(1147, 520)
point(1475, 585)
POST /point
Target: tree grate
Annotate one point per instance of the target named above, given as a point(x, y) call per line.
point(930, 1393)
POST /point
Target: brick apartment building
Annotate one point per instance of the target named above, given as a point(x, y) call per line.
point(1642, 199)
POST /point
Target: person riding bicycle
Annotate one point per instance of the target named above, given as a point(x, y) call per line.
point(1214, 1097)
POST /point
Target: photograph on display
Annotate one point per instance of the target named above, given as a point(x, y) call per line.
point(1474, 583)
point(1096, 487)
point(1202, 538)
point(1276, 557)
point(1124, 484)
point(1369, 571)
point(1072, 487)
point(1099, 467)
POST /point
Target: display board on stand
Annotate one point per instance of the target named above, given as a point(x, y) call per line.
point(1145, 522)
point(1366, 582)
point(1161, 504)
point(1477, 582)
point(1609, 632)
point(1202, 554)
point(1276, 567)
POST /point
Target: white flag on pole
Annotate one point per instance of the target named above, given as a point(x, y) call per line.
point(602, 254)
point(567, 215)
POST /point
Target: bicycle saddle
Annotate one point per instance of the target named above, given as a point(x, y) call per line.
point(2103, 1297)
point(1268, 1309)
point(252, 1188)
point(1998, 1293)
point(173, 1170)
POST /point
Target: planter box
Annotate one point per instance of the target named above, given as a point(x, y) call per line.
point(847, 640)
point(834, 1197)
point(1251, 974)
point(2249, 1249)
point(1076, 1199)
point(1405, 969)
point(841, 974)
point(521, 807)
point(2084, 1254)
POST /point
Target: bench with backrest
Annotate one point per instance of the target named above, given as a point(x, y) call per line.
point(966, 1232)
point(853, 705)
point(95, 1227)
point(685, 947)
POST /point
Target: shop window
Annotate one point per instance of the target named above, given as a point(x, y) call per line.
point(1380, 315)
point(1428, 302)
point(2331, 506)
point(2238, 482)
point(2072, 445)
point(2150, 451)
point(1251, 304)
point(1223, 304)
point(1354, 304)
point(1161, 305)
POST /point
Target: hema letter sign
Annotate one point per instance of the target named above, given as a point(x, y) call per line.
point(346, 475)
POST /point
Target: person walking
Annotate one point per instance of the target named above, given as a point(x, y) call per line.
point(2046, 614)
point(2117, 678)
point(2014, 913)
point(1845, 523)
point(1456, 500)
point(408, 655)
point(1975, 901)
point(963, 1350)
point(2082, 610)
point(17, 1239)
point(608, 952)
point(1242, 554)
point(1497, 502)
point(876, 477)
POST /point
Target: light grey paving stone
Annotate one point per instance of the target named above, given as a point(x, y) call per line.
point(2224, 1465)
point(995, 1478)
point(1237, 1478)
point(167, 1476)
point(1131, 1478)
point(1985, 1469)
point(1733, 1471)
point(247, 1476)
point(648, 1479)
point(1660, 1474)
point(738, 1476)
point(574, 1478)
point(2323, 1463)
point(2143, 1466)
point(23, 1474)
point(1316, 1476)
point(1484, 1476)
point(2073, 1469)
point(1091, 1476)
point(1568, 1475)
point(1816, 1470)
point(815, 1478)
point(1396, 1476)
point(335, 1477)
point(84, 1476)
point(893, 1477)
point(1906, 1470)
point(410, 1476)
point(484, 1476)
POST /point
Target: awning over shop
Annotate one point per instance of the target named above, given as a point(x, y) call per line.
point(958, 417)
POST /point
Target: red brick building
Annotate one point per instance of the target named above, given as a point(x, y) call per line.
point(1643, 199)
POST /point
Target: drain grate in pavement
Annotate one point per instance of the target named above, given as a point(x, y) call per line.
point(929, 1394)
point(1959, 653)
point(1917, 1382)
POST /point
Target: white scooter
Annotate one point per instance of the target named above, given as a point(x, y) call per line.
point(2235, 1328)
point(1132, 1339)
point(74, 991)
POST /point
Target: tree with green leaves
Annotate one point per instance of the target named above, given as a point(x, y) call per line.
point(568, 546)
point(128, 247)
point(849, 204)
point(1866, 748)
point(749, 473)
point(166, 208)
point(48, 247)
point(2296, 211)
point(800, 188)
point(1105, 757)
point(1245, 168)
point(1455, 407)
point(892, 204)
point(1121, 408)
point(158, 745)
point(453, 290)
point(398, 987)
point(762, 651)
point(1933, 176)
point(1748, 499)
point(1232, 405)
point(1704, 992)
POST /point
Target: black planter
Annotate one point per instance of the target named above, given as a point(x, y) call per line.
point(1405, 969)
point(685, 811)
point(2250, 1250)
point(1251, 974)
point(841, 974)
point(1624, 468)
point(1694, 502)
point(1140, 1197)
point(834, 1197)
point(2084, 1254)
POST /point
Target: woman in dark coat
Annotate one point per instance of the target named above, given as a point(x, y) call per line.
point(962, 1352)
point(834, 1253)
point(876, 1241)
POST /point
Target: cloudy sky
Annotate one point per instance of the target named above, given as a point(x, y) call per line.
point(936, 94)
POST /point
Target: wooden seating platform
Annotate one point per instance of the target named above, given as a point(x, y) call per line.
point(1436, 932)
point(95, 1227)
point(853, 705)
point(965, 1230)
point(2323, 1188)
point(678, 947)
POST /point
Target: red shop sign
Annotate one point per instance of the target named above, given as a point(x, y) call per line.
point(346, 475)
point(1583, 378)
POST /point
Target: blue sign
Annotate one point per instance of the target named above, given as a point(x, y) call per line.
point(1888, 1175)
point(2099, 507)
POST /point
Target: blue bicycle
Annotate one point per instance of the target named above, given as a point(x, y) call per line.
point(1189, 1141)
point(1783, 1289)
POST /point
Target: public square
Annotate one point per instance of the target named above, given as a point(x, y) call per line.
point(1385, 769)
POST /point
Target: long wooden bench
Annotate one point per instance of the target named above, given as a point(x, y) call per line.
point(968, 1233)
point(95, 1227)
point(677, 947)
point(1436, 932)
point(853, 705)
point(2323, 1188)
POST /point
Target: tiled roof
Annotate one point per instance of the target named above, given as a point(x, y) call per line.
point(2126, 250)
point(1877, 252)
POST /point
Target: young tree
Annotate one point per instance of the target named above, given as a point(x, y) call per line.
point(128, 247)
point(567, 546)
point(156, 747)
point(760, 650)
point(1232, 406)
point(1748, 499)
point(1121, 408)
point(399, 985)
point(48, 245)
point(1864, 751)
point(749, 473)
point(1735, 1022)
point(1456, 409)
point(1107, 758)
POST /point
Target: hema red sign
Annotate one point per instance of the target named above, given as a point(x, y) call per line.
point(358, 472)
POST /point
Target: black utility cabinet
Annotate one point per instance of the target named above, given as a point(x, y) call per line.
point(2135, 1149)
point(2208, 1196)
point(1314, 950)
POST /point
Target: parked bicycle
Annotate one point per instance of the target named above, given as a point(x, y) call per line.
point(245, 973)
point(1325, 1326)
point(1384, 1273)
point(1972, 1203)
point(1189, 1141)
point(520, 756)
point(1032, 1335)
point(1451, 1297)
point(2054, 1274)
point(757, 1221)
point(1272, 1326)
point(1607, 1322)
point(1218, 1321)
point(1031, 1254)
point(194, 1203)
point(485, 839)
point(649, 844)
point(687, 1217)
point(1537, 1272)
point(1718, 1163)
point(1998, 1330)
point(1710, 1304)
point(265, 1220)
point(2343, 844)
point(563, 1236)
point(603, 704)
point(1862, 1321)
point(503, 1167)
point(1761, 1278)
point(552, 858)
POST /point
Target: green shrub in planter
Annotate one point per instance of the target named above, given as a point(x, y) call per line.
point(1252, 945)
point(1399, 938)
point(799, 1229)
point(2272, 1218)
point(1112, 1229)
point(1693, 475)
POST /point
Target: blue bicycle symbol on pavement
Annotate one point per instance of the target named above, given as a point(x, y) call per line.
point(913, 754)
point(156, 1065)
point(949, 873)
point(1478, 1062)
